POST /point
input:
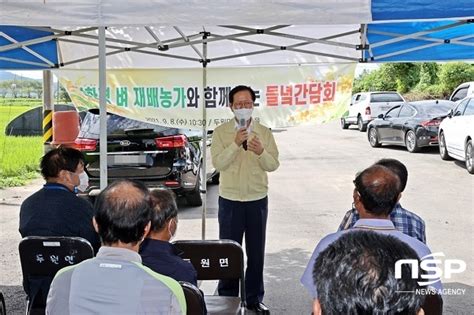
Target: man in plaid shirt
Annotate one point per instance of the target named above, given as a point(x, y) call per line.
point(404, 220)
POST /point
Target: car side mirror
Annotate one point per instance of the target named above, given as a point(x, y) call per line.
point(380, 116)
point(450, 113)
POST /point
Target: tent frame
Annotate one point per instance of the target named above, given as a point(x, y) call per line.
point(162, 48)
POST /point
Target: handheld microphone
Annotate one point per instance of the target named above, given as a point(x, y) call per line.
point(242, 124)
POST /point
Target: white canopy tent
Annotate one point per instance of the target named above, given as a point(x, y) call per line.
point(143, 34)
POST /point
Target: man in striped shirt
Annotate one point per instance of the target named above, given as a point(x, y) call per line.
point(405, 221)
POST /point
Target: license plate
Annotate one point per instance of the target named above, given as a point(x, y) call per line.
point(126, 159)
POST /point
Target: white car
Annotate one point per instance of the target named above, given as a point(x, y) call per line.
point(456, 134)
point(366, 106)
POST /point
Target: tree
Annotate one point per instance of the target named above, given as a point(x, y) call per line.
point(37, 87)
point(428, 75)
point(453, 74)
point(27, 87)
point(4, 87)
point(63, 95)
point(404, 75)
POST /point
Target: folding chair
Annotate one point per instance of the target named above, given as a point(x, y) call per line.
point(433, 304)
point(3, 309)
point(217, 260)
point(194, 299)
point(41, 257)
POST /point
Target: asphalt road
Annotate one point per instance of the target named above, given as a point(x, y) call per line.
point(308, 197)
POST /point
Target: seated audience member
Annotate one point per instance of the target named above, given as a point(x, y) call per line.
point(55, 210)
point(115, 281)
point(364, 262)
point(156, 250)
point(404, 220)
point(377, 190)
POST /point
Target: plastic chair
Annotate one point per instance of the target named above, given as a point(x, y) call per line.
point(433, 304)
point(194, 299)
point(41, 257)
point(3, 309)
point(217, 260)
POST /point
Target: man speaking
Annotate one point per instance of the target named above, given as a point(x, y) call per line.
point(243, 151)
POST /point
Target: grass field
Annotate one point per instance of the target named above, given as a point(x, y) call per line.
point(19, 156)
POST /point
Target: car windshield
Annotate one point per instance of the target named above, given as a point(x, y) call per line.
point(90, 126)
point(385, 97)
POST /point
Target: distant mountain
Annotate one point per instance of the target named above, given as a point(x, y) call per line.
point(5, 75)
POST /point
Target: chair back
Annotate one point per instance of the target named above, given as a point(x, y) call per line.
point(433, 304)
point(215, 259)
point(194, 299)
point(41, 257)
point(3, 310)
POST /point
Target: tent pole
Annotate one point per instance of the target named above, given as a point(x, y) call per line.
point(363, 42)
point(48, 109)
point(204, 136)
point(102, 109)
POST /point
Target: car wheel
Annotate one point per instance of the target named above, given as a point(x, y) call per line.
point(344, 125)
point(360, 124)
point(374, 137)
point(194, 198)
point(443, 151)
point(469, 157)
point(410, 142)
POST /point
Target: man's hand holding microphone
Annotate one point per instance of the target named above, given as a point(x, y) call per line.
point(242, 137)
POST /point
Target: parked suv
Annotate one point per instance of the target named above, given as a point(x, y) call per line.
point(456, 134)
point(463, 90)
point(161, 157)
point(366, 106)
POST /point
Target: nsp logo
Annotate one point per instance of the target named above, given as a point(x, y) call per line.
point(429, 264)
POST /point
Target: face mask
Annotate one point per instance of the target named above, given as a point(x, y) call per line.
point(83, 182)
point(243, 113)
point(169, 229)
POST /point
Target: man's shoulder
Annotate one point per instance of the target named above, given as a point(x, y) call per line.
point(230, 125)
point(421, 248)
point(33, 197)
point(172, 284)
point(400, 211)
point(262, 128)
point(183, 264)
point(328, 239)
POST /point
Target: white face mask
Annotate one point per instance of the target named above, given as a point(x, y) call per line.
point(172, 235)
point(83, 182)
point(243, 113)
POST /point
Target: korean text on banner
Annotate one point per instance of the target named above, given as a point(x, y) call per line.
point(286, 95)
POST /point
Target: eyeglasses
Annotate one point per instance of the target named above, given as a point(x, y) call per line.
point(244, 104)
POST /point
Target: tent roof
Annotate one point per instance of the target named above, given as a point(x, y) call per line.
point(219, 12)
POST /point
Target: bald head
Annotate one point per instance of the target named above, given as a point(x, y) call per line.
point(122, 212)
point(125, 193)
point(378, 189)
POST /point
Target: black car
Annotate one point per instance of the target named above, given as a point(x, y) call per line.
point(412, 125)
point(159, 156)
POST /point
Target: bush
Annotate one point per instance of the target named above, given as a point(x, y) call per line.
point(416, 81)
